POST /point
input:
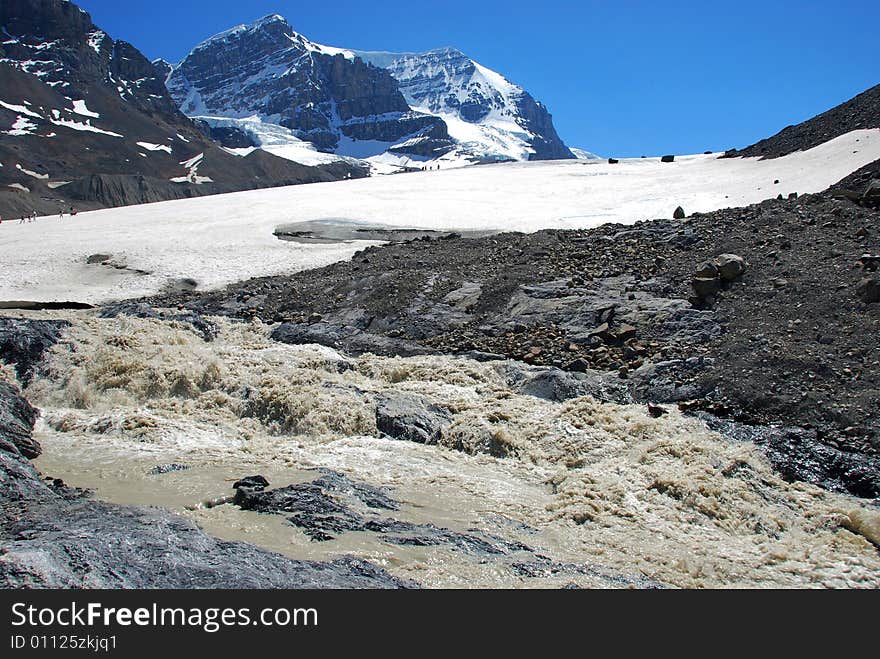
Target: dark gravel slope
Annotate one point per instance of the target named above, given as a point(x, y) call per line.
point(862, 111)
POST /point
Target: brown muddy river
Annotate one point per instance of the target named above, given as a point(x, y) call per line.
point(604, 493)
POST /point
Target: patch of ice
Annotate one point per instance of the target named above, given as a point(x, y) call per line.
point(85, 127)
point(21, 109)
point(154, 147)
point(31, 173)
point(193, 175)
point(22, 126)
point(79, 107)
point(96, 38)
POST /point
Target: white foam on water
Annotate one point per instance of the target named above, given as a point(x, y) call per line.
point(599, 484)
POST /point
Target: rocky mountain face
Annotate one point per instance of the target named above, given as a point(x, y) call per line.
point(489, 117)
point(86, 121)
point(337, 103)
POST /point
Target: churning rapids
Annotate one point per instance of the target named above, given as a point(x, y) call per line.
point(528, 493)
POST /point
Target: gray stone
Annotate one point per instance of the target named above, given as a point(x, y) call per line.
point(730, 266)
point(411, 418)
point(24, 342)
point(707, 270)
point(705, 286)
point(868, 290)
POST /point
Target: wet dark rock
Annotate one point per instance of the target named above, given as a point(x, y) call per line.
point(317, 513)
point(377, 498)
point(350, 339)
point(161, 470)
point(256, 483)
point(332, 505)
point(52, 536)
point(799, 455)
point(93, 545)
point(17, 418)
point(411, 418)
point(24, 343)
point(474, 541)
point(543, 567)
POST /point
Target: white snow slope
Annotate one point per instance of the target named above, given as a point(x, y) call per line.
point(220, 239)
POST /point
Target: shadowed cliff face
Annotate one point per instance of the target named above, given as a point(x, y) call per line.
point(269, 70)
point(74, 54)
point(78, 106)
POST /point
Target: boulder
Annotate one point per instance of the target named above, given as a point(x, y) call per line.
point(613, 161)
point(411, 418)
point(708, 270)
point(257, 483)
point(17, 419)
point(667, 159)
point(868, 290)
point(625, 332)
point(705, 286)
point(870, 262)
point(23, 343)
point(679, 214)
point(730, 266)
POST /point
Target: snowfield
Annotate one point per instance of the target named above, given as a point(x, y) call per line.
point(220, 239)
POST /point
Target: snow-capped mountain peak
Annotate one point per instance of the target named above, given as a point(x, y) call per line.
point(489, 116)
point(340, 104)
point(423, 106)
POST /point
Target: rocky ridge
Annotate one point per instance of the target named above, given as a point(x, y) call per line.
point(860, 112)
point(332, 101)
point(86, 121)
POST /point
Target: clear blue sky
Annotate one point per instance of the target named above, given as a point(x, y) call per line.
point(620, 78)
